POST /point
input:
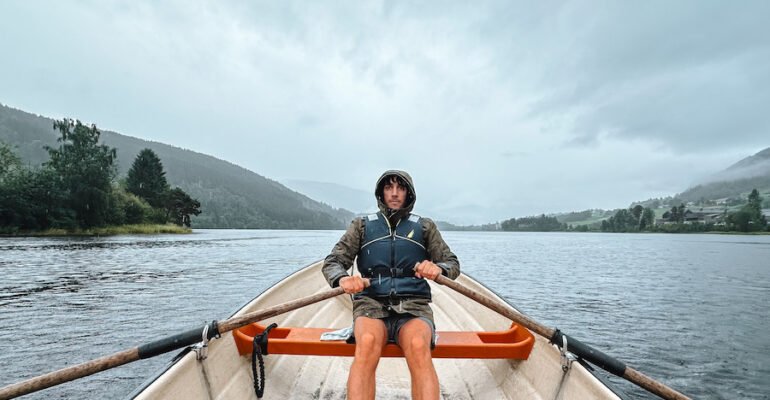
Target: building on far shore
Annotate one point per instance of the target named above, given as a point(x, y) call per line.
point(705, 215)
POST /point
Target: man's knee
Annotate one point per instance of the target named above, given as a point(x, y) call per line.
point(368, 349)
point(415, 339)
point(368, 342)
point(417, 345)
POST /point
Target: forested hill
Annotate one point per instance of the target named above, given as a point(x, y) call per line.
point(739, 179)
point(230, 196)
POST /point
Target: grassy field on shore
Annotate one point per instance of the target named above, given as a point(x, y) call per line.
point(142, 229)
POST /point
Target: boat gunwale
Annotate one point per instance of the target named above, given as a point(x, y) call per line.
point(585, 364)
point(179, 356)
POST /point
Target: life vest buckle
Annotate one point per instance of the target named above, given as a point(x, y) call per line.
point(393, 299)
point(396, 272)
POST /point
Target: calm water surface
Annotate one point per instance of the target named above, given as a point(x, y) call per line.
point(689, 310)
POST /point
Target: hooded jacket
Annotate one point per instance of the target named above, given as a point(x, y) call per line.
point(392, 245)
point(350, 245)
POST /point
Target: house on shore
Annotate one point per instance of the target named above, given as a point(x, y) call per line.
point(706, 215)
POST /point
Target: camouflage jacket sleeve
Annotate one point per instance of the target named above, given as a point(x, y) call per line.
point(439, 251)
point(337, 264)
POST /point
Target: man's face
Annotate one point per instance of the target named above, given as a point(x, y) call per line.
point(394, 194)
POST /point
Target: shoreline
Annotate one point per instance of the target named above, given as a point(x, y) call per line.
point(155, 229)
point(141, 229)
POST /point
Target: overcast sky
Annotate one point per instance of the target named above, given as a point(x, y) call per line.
point(497, 109)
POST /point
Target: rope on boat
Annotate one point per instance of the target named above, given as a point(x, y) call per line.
point(259, 347)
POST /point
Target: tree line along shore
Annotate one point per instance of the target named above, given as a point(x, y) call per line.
point(76, 192)
point(738, 215)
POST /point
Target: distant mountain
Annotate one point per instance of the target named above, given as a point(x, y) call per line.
point(230, 196)
point(335, 195)
point(753, 165)
point(736, 181)
point(363, 202)
point(752, 172)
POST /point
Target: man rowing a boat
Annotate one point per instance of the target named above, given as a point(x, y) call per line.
point(396, 250)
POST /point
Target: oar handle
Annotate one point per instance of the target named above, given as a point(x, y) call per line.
point(576, 347)
point(157, 347)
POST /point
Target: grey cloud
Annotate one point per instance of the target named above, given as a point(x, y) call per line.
point(686, 75)
point(501, 93)
point(689, 111)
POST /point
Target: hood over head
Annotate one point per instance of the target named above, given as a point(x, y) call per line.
point(411, 195)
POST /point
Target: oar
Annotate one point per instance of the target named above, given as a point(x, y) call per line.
point(574, 346)
point(157, 347)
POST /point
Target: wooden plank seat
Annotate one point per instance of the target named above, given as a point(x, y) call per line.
point(514, 343)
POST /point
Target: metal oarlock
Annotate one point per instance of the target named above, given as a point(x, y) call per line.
point(201, 349)
point(566, 357)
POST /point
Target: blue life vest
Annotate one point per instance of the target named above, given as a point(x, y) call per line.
point(388, 256)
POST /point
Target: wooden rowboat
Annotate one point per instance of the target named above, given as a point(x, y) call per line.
point(291, 373)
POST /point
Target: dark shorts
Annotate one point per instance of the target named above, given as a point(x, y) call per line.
point(393, 324)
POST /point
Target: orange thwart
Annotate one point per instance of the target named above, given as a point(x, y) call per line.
point(513, 343)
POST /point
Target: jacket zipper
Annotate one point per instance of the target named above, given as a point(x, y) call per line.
point(393, 244)
point(392, 232)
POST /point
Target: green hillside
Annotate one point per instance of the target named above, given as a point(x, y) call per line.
point(230, 196)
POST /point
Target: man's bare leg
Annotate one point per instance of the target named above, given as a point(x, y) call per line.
point(371, 337)
point(414, 339)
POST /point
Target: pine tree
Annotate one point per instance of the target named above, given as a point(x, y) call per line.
point(147, 179)
point(754, 208)
point(647, 221)
point(749, 217)
point(755, 201)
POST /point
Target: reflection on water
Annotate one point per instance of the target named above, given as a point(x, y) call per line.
point(90, 243)
point(690, 310)
point(77, 281)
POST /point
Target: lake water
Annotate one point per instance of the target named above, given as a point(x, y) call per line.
point(688, 310)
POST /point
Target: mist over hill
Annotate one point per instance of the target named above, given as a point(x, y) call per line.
point(752, 172)
point(363, 202)
point(734, 182)
point(335, 195)
point(230, 196)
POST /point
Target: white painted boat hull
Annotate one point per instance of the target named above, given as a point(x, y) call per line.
point(224, 374)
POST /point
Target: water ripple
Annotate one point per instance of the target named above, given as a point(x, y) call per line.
point(689, 310)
